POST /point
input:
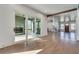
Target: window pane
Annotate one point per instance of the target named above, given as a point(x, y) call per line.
point(72, 18)
point(66, 19)
point(73, 26)
point(62, 26)
point(61, 20)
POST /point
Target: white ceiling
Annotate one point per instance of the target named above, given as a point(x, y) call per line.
point(51, 8)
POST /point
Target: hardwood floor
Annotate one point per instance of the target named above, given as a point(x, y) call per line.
point(53, 43)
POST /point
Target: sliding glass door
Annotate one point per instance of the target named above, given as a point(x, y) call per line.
point(33, 27)
point(19, 28)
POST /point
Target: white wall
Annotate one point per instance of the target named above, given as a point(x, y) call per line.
point(6, 25)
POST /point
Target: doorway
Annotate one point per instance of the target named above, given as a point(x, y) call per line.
point(31, 27)
point(34, 28)
point(66, 28)
point(19, 28)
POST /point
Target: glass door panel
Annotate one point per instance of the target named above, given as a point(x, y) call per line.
point(31, 26)
point(38, 26)
point(19, 28)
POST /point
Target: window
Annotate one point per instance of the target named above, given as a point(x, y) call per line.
point(72, 26)
point(61, 20)
point(62, 26)
point(66, 19)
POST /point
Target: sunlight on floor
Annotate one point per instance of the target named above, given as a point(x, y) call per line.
point(23, 37)
point(35, 39)
point(19, 38)
point(30, 52)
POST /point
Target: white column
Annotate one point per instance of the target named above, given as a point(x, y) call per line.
point(26, 31)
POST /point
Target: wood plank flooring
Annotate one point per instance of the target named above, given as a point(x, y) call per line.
point(53, 43)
